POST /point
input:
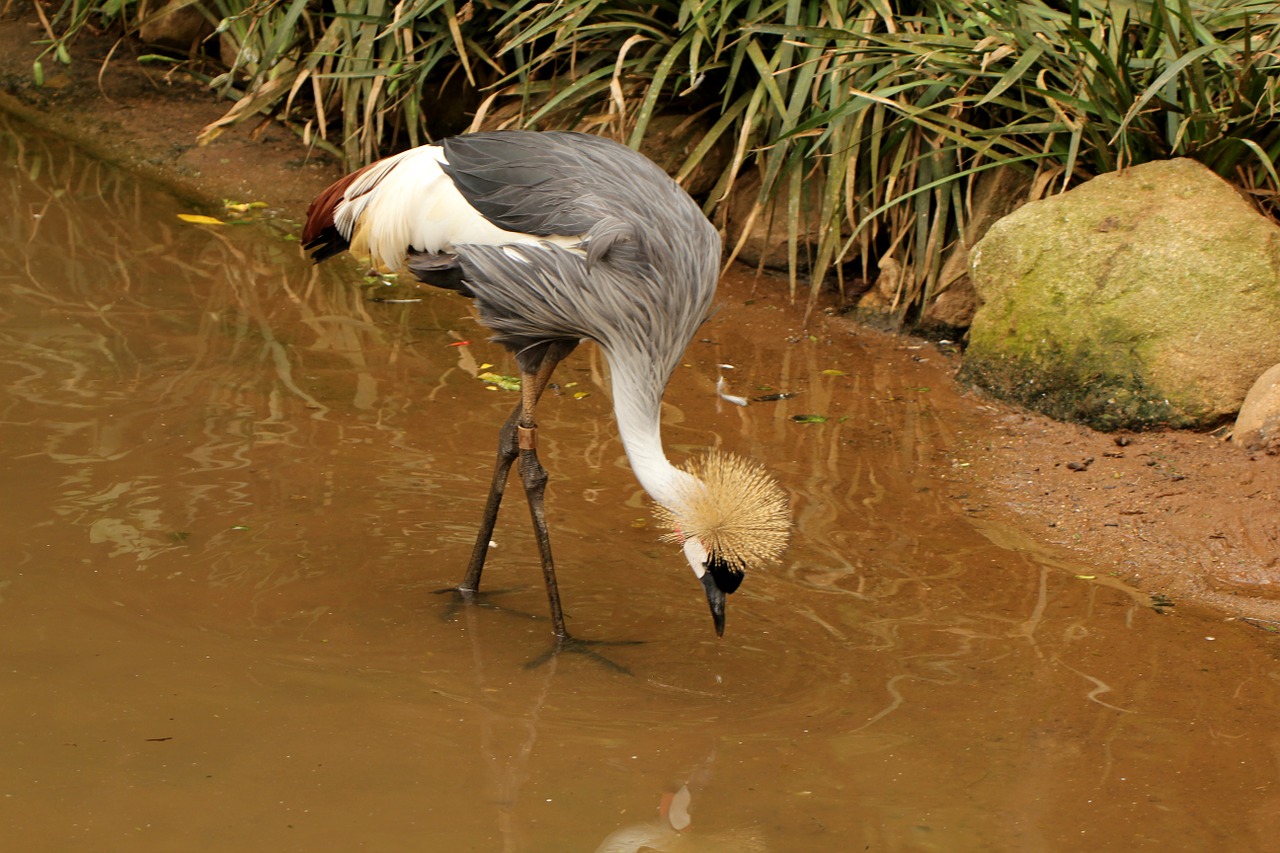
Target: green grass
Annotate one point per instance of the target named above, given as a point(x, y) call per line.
point(895, 112)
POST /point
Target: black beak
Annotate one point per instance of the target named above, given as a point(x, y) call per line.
point(715, 597)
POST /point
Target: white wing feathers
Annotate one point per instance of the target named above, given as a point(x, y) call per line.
point(407, 201)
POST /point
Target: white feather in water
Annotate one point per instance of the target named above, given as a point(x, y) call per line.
point(723, 394)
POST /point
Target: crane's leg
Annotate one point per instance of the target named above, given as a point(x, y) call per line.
point(534, 476)
point(507, 453)
point(518, 440)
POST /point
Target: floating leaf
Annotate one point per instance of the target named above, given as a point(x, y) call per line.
point(833, 372)
point(242, 206)
point(506, 383)
point(578, 395)
point(809, 419)
point(200, 219)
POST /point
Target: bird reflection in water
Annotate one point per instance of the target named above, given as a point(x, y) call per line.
point(673, 831)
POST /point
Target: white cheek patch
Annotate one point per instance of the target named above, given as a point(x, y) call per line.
point(696, 555)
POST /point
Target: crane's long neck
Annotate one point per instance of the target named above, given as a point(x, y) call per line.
point(638, 382)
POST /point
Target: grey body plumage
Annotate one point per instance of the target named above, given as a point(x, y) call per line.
point(618, 290)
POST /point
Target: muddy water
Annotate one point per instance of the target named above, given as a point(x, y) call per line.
point(232, 484)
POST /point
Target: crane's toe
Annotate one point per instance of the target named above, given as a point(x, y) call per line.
point(586, 648)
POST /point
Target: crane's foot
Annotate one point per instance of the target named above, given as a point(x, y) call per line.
point(586, 648)
point(460, 598)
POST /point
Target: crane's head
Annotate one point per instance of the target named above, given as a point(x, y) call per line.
point(730, 515)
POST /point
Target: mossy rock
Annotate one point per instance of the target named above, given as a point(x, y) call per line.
point(1149, 297)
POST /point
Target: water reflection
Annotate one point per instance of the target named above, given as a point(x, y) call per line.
point(232, 484)
point(671, 829)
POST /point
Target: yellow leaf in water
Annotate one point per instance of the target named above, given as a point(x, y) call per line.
point(834, 373)
point(242, 206)
point(199, 219)
point(485, 366)
point(578, 395)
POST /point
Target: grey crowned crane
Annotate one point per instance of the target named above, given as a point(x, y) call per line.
point(561, 237)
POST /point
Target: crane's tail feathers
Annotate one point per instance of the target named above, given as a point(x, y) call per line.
point(320, 230)
point(325, 245)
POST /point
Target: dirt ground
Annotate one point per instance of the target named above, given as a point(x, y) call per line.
point(147, 119)
point(1181, 516)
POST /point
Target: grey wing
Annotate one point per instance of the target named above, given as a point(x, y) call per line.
point(545, 184)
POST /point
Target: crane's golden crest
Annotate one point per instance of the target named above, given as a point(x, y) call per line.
point(734, 508)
